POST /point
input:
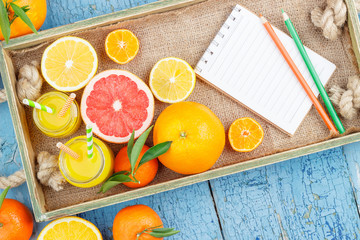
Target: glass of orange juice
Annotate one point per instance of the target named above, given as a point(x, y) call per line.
point(86, 172)
point(50, 123)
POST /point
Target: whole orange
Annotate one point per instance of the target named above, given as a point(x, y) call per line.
point(37, 15)
point(197, 135)
point(132, 220)
point(146, 172)
point(16, 221)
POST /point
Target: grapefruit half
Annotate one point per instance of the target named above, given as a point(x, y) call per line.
point(116, 102)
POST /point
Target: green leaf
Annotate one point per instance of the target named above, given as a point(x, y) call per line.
point(155, 152)
point(3, 195)
point(150, 228)
point(4, 22)
point(162, 230)
point(121, 172)
point(130, 144)
point(163, 234)
point(114, 181)
point(107, 186)
point(121, 178)
point(137, 148)
point(22, 15)
point(25, 8)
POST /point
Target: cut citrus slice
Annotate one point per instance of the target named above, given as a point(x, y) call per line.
point(70, 228)
point(69, 63)
point(172, 80)
point(116, 102)
point(245, 134)
point(121, 46)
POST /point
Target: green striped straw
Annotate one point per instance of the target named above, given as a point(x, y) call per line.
point(37, 105)
point(89, 139)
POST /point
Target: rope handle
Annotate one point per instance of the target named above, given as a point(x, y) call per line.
point(2, 96)
point(28, 84)
point(14, 180)
point(47, 170)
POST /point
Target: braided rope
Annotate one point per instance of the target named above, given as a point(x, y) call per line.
point(14, 180)
point(48, 174)
point(29, 83)
point(48, 171)
point(347, 100)
point(2, 96)
point(331, 19)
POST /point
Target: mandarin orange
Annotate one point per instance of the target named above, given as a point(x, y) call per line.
point(132, 220)
point(121, 46)
point(245, 134)
point(16, 221)
point(37, 15)
point(197, 135)
point(146, 172)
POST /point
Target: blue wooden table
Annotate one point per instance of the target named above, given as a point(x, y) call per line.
point(312, 197)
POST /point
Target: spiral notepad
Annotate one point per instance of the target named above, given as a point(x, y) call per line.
point(243, 62)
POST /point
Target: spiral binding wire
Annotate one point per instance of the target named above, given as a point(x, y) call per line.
point(215, 43)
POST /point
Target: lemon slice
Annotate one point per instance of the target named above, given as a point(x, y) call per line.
point(69, 63)
point(172, 80)
point(70, 228)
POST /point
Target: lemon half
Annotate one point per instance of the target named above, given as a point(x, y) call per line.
point(70, 228)
point(172, 80)
point(69, 63)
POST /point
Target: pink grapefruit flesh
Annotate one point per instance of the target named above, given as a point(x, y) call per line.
point(116, 102)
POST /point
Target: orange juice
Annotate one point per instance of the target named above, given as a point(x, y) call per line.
point(50, 123)
point(86, 172)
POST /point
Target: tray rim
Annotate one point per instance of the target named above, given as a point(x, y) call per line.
point(354, 28)
point(140, 11)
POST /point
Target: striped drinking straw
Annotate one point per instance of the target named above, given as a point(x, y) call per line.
point(67, 150)
point(67, 105)
point(90, 143)
point(37, 105)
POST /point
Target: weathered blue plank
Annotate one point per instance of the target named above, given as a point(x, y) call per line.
point(61, 12)
point(304, 198)
point(189, 209)
point(352, 154)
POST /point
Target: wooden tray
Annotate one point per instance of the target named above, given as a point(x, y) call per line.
point(25, 144)
point(354, 28)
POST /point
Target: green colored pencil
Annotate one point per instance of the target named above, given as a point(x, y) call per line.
point(313, 73)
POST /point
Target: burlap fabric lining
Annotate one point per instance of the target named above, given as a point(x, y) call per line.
point(186, 33)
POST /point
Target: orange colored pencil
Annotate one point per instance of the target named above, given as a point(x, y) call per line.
point(298, 75)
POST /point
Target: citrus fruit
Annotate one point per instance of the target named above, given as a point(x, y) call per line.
point(70, 228)
point(36, 14)
point(172, 80)
point(116, 102)
point(132, 220)
point(145, 174)
point(69, 63)
point(16, 219)
point(121, 46)
point(197, 135)
point(245, 134)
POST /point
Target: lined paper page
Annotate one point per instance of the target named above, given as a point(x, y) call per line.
point(244, 62)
